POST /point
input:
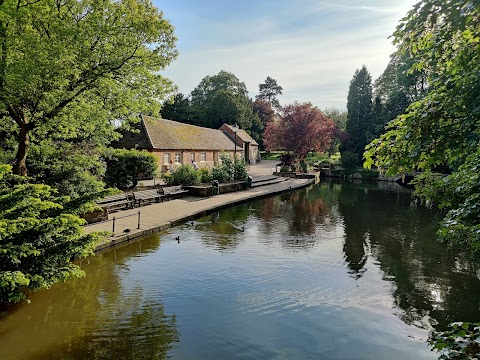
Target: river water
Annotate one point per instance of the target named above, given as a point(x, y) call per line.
point(334, 271)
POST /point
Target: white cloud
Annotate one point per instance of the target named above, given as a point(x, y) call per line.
point(312, 53)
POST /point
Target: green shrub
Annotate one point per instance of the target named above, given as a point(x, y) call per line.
point(270, 155)
point(186, 175)
point(349, 162)
point(205, 175)
point(303, 167)
point(126, 167)
point(240, 170)
point(369, 173)
point(39, 239)
point(220, 173)
point(168, 178)
point(229, 169)
point(74, 170)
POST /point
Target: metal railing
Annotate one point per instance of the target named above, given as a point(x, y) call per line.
point(125, 216)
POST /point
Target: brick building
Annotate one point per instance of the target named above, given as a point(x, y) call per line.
point(177, 142)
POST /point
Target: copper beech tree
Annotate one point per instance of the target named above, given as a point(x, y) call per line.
point(301, 129)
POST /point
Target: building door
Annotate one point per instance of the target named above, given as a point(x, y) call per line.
point(247, 152)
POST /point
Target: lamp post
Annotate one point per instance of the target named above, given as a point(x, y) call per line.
point(235, 129)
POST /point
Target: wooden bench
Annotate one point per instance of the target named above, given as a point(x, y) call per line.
point(147, 195)
point(115, 201)
point(173, 191)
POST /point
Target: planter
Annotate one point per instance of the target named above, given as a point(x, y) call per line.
point(204, 190)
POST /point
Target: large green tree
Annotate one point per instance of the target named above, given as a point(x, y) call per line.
point(74, 68)
point(222, 98)
point(359, 107)
point(397, 87)
point(339, 116)
point(178, 109)
point(443, 127)
point(401, 77)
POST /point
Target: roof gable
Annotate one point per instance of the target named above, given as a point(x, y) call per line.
point(137, 138)
point(241, 134)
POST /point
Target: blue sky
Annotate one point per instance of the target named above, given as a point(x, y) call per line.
point(311, 47)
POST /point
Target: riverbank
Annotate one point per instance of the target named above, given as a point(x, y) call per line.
point(134, 223)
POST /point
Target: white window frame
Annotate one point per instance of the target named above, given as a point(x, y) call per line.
point(178, 158)
point(192, 156)
point(203, 156)
point(166, 158)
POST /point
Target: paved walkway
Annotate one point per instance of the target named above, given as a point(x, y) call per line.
point(159, 216)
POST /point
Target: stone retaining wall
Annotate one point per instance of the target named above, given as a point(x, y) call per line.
point(204, 190)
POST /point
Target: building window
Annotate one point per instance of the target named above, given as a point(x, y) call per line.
point(203, 156)
point(177, 158)
point(192, 156)
point(166, 158)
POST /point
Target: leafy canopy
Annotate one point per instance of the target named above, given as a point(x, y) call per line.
point(301, 129)
point(443, 127)
point(460, 341)
point(72, 69)
point(220, 99)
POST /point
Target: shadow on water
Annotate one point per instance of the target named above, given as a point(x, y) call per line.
point(96, 317)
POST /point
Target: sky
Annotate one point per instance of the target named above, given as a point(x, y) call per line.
point(311, 47)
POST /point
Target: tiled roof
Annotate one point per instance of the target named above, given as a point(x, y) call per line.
point(242, 134)
point(171, 135)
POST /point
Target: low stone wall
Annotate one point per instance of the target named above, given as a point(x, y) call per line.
point(204, 190)
point(95, 216)
point(367, 175)
point(294, 175)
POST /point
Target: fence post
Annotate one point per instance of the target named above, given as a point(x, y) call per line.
point(138, 227)
point(113, 230)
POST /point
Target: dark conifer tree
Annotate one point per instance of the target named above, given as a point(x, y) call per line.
point(359, 107)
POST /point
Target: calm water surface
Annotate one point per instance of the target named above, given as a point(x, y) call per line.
point(335, 271)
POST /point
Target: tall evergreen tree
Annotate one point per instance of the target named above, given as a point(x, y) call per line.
point(269, 90)
point(359, 107)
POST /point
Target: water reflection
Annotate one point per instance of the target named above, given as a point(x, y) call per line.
point(429, 289)
point(98, 317)
point(326, 272)
point(220, 230)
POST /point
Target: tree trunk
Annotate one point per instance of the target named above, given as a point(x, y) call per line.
point(20, 166)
